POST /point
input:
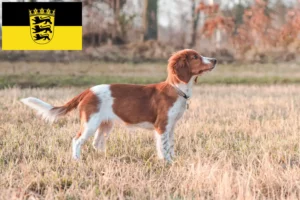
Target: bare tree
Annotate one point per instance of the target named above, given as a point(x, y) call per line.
point(116, 31)
point(150, 20)
point(195, 19)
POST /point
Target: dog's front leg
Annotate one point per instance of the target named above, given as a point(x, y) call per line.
point(163, 146)
point(171, 136)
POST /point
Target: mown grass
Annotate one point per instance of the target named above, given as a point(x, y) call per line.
point(235, 142)
point(86, 74)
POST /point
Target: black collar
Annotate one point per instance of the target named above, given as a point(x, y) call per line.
point(180, 93)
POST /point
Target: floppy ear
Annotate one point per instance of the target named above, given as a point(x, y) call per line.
point(181, 69)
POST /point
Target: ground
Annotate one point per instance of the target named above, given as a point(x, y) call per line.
point(234, 142)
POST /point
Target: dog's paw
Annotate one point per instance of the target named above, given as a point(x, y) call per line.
point(75, 157)
point(75, 150)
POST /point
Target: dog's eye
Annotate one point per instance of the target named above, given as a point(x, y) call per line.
point(195, 56)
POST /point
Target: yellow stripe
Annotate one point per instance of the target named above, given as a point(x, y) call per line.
point(19, 38)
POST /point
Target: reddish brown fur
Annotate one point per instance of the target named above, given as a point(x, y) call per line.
point(150, 103)
point(70, 105)
point(143, 103)
point(88, 103)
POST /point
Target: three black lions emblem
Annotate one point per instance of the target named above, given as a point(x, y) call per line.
point(42, 25)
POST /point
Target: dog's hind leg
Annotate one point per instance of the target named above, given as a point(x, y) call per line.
point(102, 135)
point(90, 120)
point(87, 130)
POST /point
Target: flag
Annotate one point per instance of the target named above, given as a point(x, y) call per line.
point(41, 26)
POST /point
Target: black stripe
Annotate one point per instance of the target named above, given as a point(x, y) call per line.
point(17, 13)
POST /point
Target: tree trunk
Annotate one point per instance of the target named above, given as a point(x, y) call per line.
point(150, 20)
point(195, 18)
point(116, 28)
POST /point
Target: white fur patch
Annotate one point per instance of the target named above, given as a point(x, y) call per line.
point(41, 107)
point(206, 60)
point(176, 112)
point(159, 146)
point(106, 101)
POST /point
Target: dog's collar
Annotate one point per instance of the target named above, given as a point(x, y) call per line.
point(180, 93)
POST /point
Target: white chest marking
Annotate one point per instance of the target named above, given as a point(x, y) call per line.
point(176, 111)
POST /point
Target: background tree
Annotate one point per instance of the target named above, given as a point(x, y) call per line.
point(150, 20)
point(116, 31)
point(195, 19)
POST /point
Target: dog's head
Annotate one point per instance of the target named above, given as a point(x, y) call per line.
point(187, 63)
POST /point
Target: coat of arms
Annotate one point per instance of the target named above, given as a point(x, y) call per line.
point(41, 25)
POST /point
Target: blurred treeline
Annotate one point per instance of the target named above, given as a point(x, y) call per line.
point(148, 30)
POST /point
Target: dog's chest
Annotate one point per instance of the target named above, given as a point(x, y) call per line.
point(177, 110)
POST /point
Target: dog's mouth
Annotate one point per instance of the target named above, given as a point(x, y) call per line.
point(205, 70)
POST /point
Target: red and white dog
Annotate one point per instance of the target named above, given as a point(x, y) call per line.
point(154, 106)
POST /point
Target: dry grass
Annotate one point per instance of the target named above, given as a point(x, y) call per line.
point(235, 142)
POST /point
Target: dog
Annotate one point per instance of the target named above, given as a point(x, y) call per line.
point(153, 106)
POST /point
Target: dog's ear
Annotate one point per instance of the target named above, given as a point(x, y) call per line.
point(181, 69)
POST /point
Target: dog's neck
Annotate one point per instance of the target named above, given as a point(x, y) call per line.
point(184, 87)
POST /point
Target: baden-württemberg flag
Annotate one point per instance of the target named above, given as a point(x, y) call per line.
point(41, 26)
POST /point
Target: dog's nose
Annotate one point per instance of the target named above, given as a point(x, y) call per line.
point(214, 61)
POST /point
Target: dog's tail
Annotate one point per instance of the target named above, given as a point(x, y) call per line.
point(49, 112)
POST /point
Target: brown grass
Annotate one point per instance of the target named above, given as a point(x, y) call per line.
point(235, 142)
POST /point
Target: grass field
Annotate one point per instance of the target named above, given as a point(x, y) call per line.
point(235, 142)
point(86, 74)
